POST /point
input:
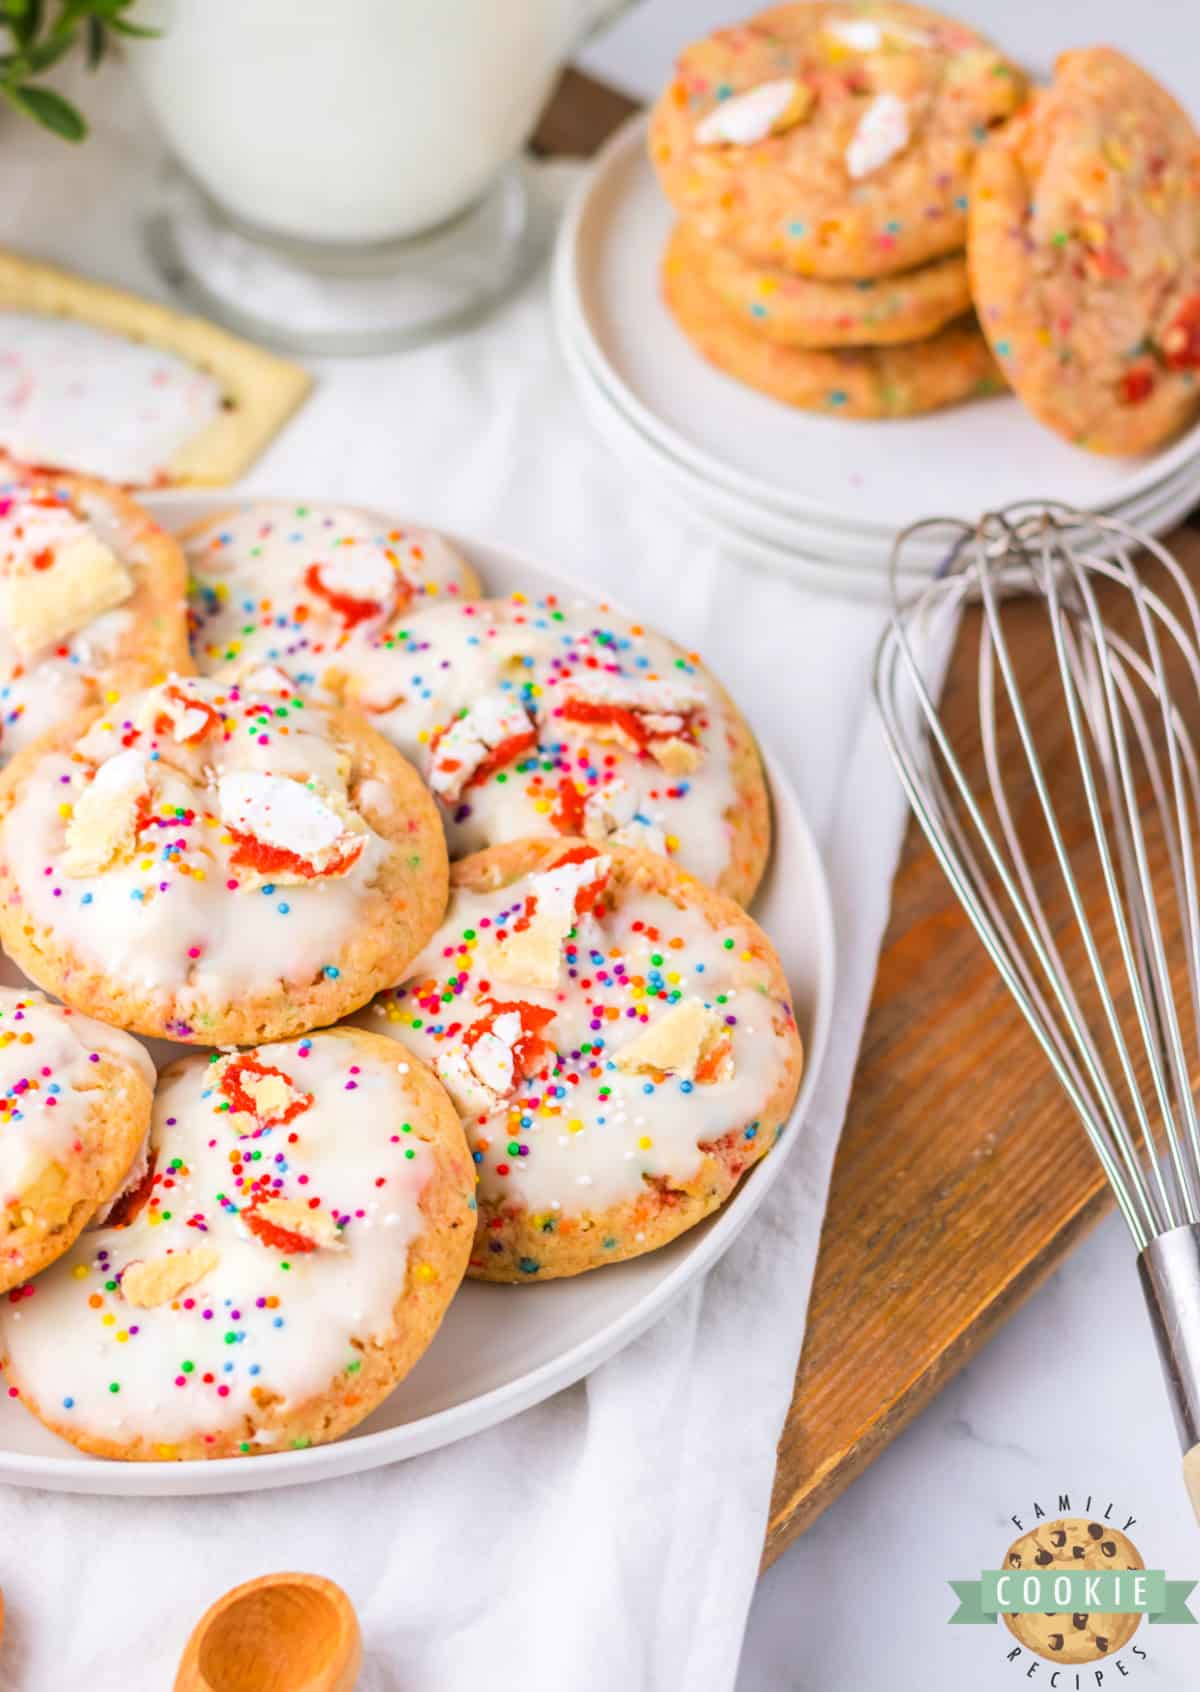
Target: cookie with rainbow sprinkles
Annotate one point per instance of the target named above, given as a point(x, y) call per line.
point(303, 1222)
point(92, 600)
point(1084, 249)
point(904, 380)
point(562, 717)
point(215, 863)
point(831, 140)
point(618, 1039)
point(799, 311)
point(75, 1101)
point(310, 586)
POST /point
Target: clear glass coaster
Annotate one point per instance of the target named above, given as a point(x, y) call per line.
point(309, 297)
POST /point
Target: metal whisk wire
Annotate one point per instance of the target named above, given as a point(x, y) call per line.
point(1103, 1027)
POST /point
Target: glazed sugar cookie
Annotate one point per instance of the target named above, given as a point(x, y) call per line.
point(831, 140)
point(899, 381)
point(309, 586)
point(799, 312)
point(304, 1222)
point(74, 1114)
point(91, 601)
point(1073, 1543)
point(1085, 255)
point(212, 864)
point(548, 717)
point(619, 1042)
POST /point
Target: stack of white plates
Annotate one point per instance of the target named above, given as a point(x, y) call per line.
point(817, 497)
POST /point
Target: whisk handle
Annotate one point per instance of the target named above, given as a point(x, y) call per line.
point(1191, 1476)
point(1170, 1272)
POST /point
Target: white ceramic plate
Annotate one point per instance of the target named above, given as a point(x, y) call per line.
point(839, 473)
point(807, 563)
point(1158, 517)
point(851, 542)
point(859, 572)
point(808, 535)
point(834, 562)
point(833, 559)
point(500, 1349)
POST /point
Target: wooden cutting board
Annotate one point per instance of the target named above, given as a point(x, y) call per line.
point(962, 1178)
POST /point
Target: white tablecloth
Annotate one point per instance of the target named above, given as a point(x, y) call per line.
point(611, 1537)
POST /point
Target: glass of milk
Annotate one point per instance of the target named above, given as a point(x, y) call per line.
point(347, 176)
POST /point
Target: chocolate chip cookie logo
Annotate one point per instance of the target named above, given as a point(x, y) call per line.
point(1073, 1591)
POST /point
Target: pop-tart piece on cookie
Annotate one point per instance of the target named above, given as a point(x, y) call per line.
point(619, 1042)
point(301, 1228)
point(92, 601)
point(216, 864)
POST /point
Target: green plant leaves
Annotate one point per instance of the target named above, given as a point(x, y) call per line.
point(136, 32)
point(49, 109)
point(23, 18)
point(37, 43)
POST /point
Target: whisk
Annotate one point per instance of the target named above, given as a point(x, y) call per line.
point(1095, 930)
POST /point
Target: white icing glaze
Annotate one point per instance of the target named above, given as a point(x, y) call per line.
point(125, 771)
point(254, 600)
point(28, 524)
point(377, 799)
point(866, 35)
point(539, 656)
point(267, 678)
point(580, 1133)
point(48, 1083)
point(81, 399)
point(186, 907)
point(743, 119)
point(265, 1318)
point(861, 34)
point(34, 696)
point(882, 132)
point(133, 1178)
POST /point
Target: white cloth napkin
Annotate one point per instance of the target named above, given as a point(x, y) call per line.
point(610, 1537)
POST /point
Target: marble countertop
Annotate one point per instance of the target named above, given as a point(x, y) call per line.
point(1068, 1398)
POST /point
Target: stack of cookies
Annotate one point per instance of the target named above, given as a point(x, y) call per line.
point(567, 1046)
point(819, 157)
point(854, 181)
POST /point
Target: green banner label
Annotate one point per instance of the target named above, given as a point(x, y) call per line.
point(1121, 1592)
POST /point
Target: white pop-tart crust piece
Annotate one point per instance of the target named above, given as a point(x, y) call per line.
point(677, 1043)
point(531, 950)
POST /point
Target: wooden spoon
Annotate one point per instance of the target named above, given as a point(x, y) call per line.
point(281, 1633)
